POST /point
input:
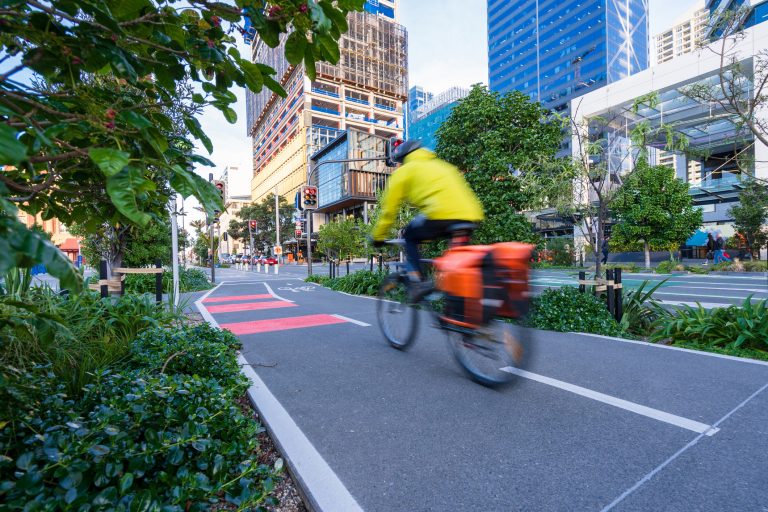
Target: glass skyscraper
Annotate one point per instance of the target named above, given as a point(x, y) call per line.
point(555, 50)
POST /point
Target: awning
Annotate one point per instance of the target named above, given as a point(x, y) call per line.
point(699, 238)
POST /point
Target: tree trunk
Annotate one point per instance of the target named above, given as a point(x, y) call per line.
point(647, 251)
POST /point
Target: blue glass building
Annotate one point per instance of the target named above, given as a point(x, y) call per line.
point(555, 50)
point(424, 121)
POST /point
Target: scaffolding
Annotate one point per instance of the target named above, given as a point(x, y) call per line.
point(373, 56)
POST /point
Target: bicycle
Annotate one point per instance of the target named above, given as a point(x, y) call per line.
point(488, 353)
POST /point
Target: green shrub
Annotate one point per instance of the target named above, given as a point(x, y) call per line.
point(190, 280)
point(362, 282)
point(666, 267)
point(755, 266)
point(696, 269)
point(200, 350)
point(567, 310)
point(640, 310)
point(560, 250)
point(134, 442)
point(80, 335)
point(739, 327)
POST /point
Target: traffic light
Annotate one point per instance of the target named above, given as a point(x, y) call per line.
point(309, 197)
point(389, 150)
point(252, 226)
point(225, 236)
point(221, 186)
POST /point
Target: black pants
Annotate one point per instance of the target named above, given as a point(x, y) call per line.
point(419, 230)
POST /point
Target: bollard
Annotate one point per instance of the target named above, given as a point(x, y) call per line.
point(103, 278)
point(277, 268)
point(347, 267)
point(371, 263)
point(609, 291)
point(618, 289)
point(582, 278)
point(381, 263)
point(158, 283)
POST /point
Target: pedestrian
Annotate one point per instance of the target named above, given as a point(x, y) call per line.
point(710, 248)
point(605, 250)
point(720, 254)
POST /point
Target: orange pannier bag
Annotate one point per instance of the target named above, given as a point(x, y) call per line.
point(483, 281)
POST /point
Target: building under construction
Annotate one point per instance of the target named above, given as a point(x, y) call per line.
point(364, 91)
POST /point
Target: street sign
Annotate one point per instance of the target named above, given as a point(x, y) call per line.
point(278, 250)
point(297, 233)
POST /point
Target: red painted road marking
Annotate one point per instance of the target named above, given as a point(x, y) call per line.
point(230, 298)
point(249, 306)
point(282, 324)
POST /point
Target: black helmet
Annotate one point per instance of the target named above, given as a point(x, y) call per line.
point(404, 149)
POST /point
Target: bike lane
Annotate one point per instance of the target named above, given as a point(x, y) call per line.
point(406, 431)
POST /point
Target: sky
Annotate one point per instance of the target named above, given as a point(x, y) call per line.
point(447, 46)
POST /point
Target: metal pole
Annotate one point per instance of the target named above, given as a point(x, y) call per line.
point(309, 241)
point(277, 225)
point(213, 256)
point(175, 253)
point(251, 246)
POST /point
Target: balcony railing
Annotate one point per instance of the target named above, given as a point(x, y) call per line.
point(356, 100)
point(327, 93)
point(385, 107)
point(351, 184)
point(325, 110)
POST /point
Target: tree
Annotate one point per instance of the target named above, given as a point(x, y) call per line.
point(139, 247)
point(751, 215)
point(264, 215)
point(489, 136)
point(93, 127)
point(342, 240)
point(653, 211)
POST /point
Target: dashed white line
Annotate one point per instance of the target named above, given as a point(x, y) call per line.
point(649, 412)
point(352, 320)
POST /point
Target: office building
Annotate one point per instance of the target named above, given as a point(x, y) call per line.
point(684, 37)
point(417, 96)
point(721, 151)
point(425, 120)
point(555, 50)
point(365, 91)
point(350, 189)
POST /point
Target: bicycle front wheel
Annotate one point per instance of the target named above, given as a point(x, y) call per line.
point(397, 320)
point(491, 354)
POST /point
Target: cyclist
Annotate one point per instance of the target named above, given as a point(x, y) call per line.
point(440, 193)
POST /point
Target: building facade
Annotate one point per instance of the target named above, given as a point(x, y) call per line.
point(425, 120)
point(684, 37)
point(555, 50)
point(417, 96)
point(350, 189)
point(365, 91)
point(721, 152)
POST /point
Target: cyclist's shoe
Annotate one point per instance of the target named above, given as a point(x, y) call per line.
point(419, 290)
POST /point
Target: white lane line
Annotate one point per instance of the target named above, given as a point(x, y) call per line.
point(705, 305)
point(352, 320)
point(699, 295)
point(649, 412)
point(677, 454)
point(272, 293)
point(321, 486)
point(679, 349)
point(754, 290)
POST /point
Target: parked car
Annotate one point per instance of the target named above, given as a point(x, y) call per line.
point(238, 258)
point(269, 260)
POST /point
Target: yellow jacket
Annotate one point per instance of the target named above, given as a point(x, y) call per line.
point(435, 187)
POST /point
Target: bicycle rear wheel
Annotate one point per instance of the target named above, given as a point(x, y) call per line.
point(490, 355)
point(397, 320)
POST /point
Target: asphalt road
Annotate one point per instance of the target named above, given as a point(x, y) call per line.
point(595, 423)
point(709, 290)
